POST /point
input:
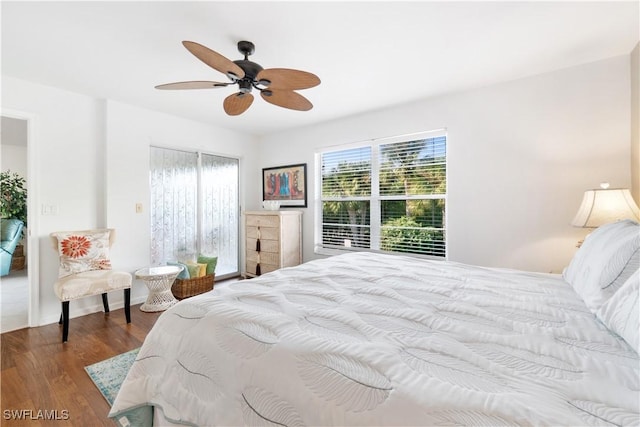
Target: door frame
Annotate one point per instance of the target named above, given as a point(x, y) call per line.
point(33, 243)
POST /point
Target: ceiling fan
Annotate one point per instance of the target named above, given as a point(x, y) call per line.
point(276, 85)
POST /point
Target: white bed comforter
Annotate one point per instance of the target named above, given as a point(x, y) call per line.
point(369, 339)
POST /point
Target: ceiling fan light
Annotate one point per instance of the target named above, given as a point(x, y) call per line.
point(245, 86)
point(264, 82)
point(267, 92)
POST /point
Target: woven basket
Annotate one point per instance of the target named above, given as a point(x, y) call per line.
point(17, 263)
point(189, 287)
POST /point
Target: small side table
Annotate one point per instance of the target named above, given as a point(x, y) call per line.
point(158, 281)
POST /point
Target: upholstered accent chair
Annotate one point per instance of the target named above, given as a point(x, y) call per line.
point(10, 235)
point(85, 270)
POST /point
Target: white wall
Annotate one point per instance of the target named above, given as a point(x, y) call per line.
point(520, 155)
point(635, 123)
point(64, 165)
point(91, 163)
point(14, 159)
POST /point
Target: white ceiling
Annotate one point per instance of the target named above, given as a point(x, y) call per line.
point(368, 54)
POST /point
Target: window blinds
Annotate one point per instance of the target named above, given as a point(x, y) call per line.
point(387, 196)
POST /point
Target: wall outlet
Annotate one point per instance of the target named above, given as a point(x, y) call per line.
point(138, 207)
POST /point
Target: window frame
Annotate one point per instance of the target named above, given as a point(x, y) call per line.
point(375, 198)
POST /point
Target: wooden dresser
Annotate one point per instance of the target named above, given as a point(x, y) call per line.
point(279, 234)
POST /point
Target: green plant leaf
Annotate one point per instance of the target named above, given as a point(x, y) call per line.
point(13, 200)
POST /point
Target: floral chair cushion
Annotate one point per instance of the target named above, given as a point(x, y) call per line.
point(83, 251)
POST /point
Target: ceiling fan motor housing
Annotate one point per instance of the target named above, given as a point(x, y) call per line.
point(251, 69)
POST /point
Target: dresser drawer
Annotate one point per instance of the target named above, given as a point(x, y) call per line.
point(263, 220)
point(264, 268)
point(266, 233)
point(263, 257)
point(265, 245)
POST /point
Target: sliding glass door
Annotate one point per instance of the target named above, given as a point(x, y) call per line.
point(219, 207)
point(194, 208)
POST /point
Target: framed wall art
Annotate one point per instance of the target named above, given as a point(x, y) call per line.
point(286, 185)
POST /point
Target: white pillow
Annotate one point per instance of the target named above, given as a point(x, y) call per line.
point(621, 314)
point(82, 251)
point(598, 270)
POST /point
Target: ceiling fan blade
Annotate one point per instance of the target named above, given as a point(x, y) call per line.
point(285, 78)
point(287, 99)
point(237, 103)
point(214, 59)
point(192, 85)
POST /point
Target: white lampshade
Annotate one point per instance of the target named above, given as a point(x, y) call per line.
point(605, 205)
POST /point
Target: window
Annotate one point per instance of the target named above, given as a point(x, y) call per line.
point(194, 208)
point(386, 195)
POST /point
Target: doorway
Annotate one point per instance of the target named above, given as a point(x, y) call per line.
point(16, 294)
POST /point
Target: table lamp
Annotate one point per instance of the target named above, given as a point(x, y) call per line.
point(603, 205)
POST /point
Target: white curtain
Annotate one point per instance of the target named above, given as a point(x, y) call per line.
point(220, 212)
point(174, 191)
point(194, 208)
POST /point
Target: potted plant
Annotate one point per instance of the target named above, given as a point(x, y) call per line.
point(13, 203)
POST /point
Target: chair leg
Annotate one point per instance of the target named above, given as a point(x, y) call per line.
point(65, 321)
point(127, 304)
point(105, 302)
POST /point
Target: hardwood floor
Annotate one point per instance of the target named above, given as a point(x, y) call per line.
point(40, 373)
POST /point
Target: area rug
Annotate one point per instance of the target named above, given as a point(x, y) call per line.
point(109, 374)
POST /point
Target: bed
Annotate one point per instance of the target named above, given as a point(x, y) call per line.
point(378, 339)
